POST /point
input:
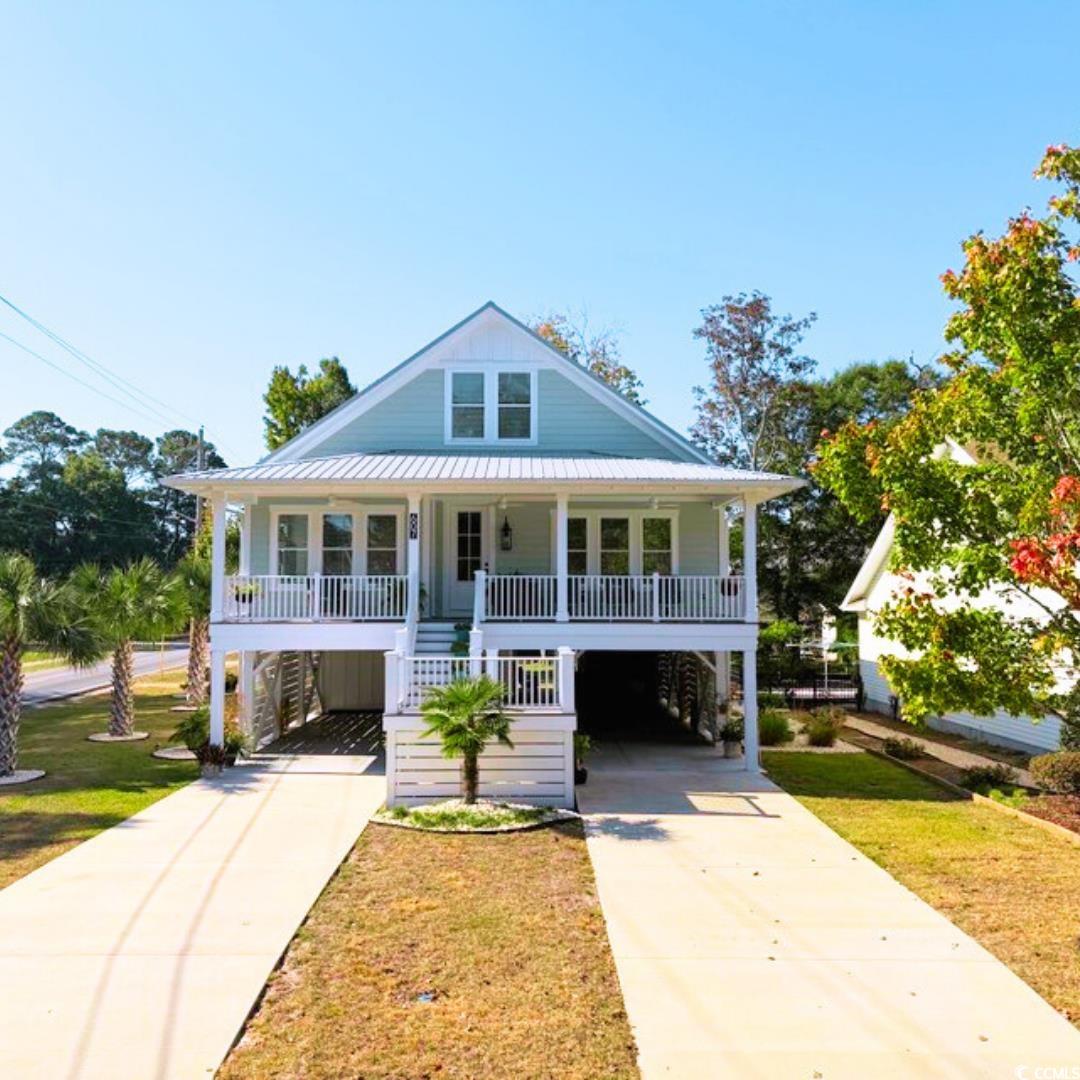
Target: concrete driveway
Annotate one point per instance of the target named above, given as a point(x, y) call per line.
point(752, 941)
point(140, 953)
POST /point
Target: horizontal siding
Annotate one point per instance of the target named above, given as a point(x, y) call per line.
point(699, 540)
point(1000, 729)
point(532, 527)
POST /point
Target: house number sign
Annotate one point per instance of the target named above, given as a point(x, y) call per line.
point(414, 526)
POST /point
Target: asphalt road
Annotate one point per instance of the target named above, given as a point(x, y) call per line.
point(54, 684)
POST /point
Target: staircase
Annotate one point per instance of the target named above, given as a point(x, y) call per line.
point(435, 638)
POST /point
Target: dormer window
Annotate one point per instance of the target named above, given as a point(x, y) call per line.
point(491, 406)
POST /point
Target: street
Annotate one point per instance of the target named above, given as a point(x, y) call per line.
point(41, 687)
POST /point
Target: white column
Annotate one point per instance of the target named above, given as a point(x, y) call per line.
point(724, 560)
point(412, 555)
point(217, 685)
point(245, 540)
point(749, 691)
point(217, 557)
point(247, 690)
point(562, 560)
point(750, 559)
point(392, 685)
point(566, 679)
point(723, 676)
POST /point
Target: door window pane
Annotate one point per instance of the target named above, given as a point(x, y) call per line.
point(467, 405)
point(614, 545)
point(469, 545)
point(515, 405)
point(292, 539)
point(382, 544)
point(337, 541)
point(656, 545)
point(577, 545)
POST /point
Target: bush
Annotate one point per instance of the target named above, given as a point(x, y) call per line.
point(904, 748)
point(194, 732)
point(770, 700)
point(773, 728)
point(984, 777)
point(732, 730)
point(823, 727)
point(1058, 772)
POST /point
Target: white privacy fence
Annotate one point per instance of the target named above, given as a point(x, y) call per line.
point(318, 597)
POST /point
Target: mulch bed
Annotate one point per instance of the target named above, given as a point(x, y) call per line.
point(1063, 810)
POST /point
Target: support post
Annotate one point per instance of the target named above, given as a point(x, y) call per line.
point(724, 532)
point(247, 692)
point(562, 557)
point(750, 606)
point(491, 668)
point(567, 701)
point(245, 541)
point(656, 596)
point(479, 599)
point(217, 557)
point(412, 555)
point(392, 683)
point(217, 684)
point(749, 693)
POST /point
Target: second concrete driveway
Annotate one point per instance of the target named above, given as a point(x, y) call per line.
point(752, 941)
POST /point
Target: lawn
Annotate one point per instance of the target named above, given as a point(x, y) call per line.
point(451, 956)
point(88, 786)
point(40, 661)
point(1010, 885)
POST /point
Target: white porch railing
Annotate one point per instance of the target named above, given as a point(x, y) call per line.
point(612, 598)
point(533, 683)
point(315, 597)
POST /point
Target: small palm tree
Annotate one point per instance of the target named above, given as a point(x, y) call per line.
point(126, 604)
point(194, 573)
point(33, 610)
point(467, 714)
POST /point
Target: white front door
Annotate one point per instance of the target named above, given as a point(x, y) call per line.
point(466, 552)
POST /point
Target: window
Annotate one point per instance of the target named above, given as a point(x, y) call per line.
point(382, 544)
point(469, 545)
point(337, 544)
point(515, 405)
point(656, 545)
point(614, 545)
point(467, 405)
point(292, 544)
point(577, 545)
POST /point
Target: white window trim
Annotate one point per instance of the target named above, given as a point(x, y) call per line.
point(360, 513)
point(491, 375)
point(592, 518)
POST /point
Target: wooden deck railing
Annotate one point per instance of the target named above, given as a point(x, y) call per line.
point(315, 597)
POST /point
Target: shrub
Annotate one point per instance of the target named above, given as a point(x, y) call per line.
point(1058, 772)
point(903, 748)
point(823, 727)
point(770, 700)
point(984, 777)
point(773, 728)
point(194, 732)
point(1016, 799)
point(732, 729)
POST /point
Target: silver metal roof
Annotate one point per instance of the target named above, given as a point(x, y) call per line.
point(401, 469)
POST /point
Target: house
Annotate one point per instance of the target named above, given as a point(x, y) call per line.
point(873, 587)
point(487, 504)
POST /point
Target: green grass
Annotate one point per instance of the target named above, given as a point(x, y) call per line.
point(456, 815)
point(1009, 884)
point(88, 786)
point(40, 661)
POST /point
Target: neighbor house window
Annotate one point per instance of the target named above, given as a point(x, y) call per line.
point(337, 542)
point(614, 545)
point(467, 405)
point(382, 544)
point(515, 405)
point(656, 545)
point(292, 543)
point(577, 545)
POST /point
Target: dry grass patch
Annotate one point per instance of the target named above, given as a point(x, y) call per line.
point(450, 956)
point(1009, 884)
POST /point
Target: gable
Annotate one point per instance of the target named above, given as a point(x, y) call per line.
point(409, 408)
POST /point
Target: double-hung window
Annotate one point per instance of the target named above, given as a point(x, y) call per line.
point(491, 406)
point(382, 543)
point(467, 412)
point(515, 405)
point(337, 544)
point(656, 545)
point(292, 544)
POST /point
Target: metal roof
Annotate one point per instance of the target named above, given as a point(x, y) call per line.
point(385, 469)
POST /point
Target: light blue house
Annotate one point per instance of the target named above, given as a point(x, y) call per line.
point(486, 504)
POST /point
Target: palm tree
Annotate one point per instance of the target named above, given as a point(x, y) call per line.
point(467, 714)
point(136, 602)
point(33, 610)
point(194, 573)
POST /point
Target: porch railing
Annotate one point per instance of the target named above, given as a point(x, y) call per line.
point(533, 683)
point(315, 597)
point(612, 598)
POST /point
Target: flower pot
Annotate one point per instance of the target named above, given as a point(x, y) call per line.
point(230, 759)
point(210, 769)
point(732, 749)
point(581, 774)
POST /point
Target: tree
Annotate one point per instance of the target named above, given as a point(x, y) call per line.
point(467, 714)
point(753, 357)
point(294, 402)
point(598, 352)
point(176, 452)
point(41, 442)
point(1008, 525)
point(126, 451)
point(33, 610)
point(137, 602)
point(194, 574)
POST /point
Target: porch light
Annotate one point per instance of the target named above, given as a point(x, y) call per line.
point(506, 536)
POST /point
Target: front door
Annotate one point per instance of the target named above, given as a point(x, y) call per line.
point(466, 553)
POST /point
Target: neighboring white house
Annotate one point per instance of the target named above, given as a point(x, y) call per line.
point(875, 585)
point(490, 493)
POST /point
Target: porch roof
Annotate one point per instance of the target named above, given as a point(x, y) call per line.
point(477, 471)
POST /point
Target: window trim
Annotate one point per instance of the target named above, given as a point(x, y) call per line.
point(637, 515)
point(491, 375)
point(360, 513)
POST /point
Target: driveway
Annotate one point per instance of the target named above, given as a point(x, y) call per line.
point(55, 684)
point(752, 941)
point(140, 953)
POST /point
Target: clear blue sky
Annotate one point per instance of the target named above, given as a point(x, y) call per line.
point(192, 194)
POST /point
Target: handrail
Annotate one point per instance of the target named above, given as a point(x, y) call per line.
point(315, 597)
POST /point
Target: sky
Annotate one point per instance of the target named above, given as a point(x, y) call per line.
point(191, 194)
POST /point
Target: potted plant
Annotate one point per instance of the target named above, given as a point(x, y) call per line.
point(194, 732)
point(731, 735)
point(245, 591)
point(582, 746)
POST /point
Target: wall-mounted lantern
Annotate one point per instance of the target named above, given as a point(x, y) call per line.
point(506, 536)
